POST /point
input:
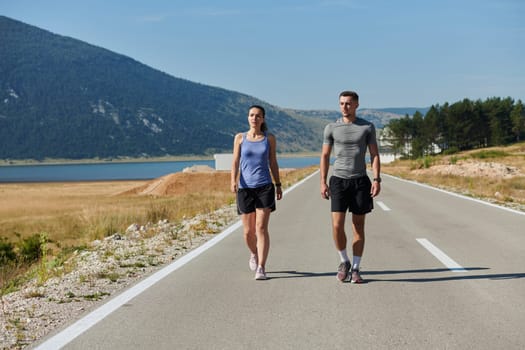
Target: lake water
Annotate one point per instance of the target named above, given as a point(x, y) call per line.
point(117, 171)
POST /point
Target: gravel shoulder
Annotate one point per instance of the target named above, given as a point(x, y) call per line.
point(107, 267)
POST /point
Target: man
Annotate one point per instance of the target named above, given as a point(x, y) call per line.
point(350, 188)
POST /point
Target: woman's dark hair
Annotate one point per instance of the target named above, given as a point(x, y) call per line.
point(264, 127)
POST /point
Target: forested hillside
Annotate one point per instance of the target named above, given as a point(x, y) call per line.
point(460, 126)
point(63, 98)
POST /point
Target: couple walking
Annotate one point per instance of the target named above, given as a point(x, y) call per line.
point(349, 188)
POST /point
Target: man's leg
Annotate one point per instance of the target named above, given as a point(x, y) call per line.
point(339, 236)
point(358, 245)
point(338, 229)
point(358, 229)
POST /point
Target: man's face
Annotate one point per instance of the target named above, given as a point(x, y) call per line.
point(347, 105)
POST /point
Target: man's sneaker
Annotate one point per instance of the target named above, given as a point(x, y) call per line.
point(356, 277)
point(342, 270)
point(260, 274)
point(253, 262)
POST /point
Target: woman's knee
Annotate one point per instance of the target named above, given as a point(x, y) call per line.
point(249, 232)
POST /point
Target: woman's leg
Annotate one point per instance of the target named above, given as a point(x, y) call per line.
point(261, 232)
point(248, 223)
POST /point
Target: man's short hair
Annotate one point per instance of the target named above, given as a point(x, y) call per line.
point(352, 94)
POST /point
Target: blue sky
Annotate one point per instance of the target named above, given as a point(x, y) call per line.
point(302, 53)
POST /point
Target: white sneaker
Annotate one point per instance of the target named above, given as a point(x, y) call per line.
point(253, 262)
point(260, 274)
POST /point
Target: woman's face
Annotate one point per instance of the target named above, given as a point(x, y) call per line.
point(255, 118)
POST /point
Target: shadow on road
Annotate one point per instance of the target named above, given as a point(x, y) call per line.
point(297, 274)
point(427, 278)
point(430, 275)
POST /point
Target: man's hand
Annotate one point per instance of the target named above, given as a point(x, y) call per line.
point(325, 191)
point(375, 189)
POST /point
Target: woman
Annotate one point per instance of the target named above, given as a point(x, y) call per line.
point(254, 156)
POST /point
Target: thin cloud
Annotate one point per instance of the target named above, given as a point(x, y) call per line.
point(193, 12)
point(153, 18)
point(341, 3)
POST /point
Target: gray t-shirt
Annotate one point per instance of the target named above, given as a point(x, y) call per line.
point(349, 142)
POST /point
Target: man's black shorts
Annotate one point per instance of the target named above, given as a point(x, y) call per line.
point(260, 197)
point(351, 194)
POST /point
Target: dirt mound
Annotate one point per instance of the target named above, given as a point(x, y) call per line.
point(472, 168)
point(198, 169)
point(184, 182)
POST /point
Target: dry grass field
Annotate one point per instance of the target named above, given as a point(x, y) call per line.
point(496, 174)
point(73, 214)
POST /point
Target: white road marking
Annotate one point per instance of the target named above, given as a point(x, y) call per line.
point(444, 258)
point(67, 335)
point(383, 206)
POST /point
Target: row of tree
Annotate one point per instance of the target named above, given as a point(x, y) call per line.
point(460, 126)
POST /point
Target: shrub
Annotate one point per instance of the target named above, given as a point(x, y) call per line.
point(7, 251)
point(489, 154)
point(451, 150)
point(30, 249)
point(427, 162)
point(422, 163)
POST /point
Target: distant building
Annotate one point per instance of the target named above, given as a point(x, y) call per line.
point(223, 161)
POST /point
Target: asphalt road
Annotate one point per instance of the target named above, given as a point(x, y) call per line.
point(442, 271)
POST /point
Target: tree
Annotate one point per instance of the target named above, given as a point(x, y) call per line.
point(400, 131)
point(434, 125)
point(419, 138)
point(499, 121)
point(517, 117)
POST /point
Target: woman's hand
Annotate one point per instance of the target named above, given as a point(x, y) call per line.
point(279, 192)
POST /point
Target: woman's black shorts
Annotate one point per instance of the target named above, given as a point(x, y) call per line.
point(351, 194)
point(260, 197)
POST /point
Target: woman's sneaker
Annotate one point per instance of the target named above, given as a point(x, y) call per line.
point(342, 271)
point(253, 262)
point(356, 277)
point(260, 274)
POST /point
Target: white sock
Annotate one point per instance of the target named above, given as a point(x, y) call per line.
point(357, 261)
point(343, 255)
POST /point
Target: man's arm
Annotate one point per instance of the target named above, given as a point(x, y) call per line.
point(376, 169)
point(323, 167)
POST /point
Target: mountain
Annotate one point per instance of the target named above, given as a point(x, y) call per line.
point(63, 98)
point(404, 110)
point(380, 117)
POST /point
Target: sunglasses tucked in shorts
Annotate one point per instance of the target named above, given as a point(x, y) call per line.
point(260, 197)
point(351, 194)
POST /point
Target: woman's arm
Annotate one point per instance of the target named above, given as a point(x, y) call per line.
point(274, 166)
point(235, 163)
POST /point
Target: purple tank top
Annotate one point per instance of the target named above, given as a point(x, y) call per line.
point(254, 163)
